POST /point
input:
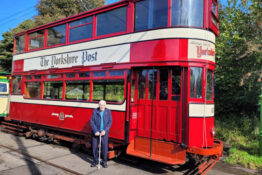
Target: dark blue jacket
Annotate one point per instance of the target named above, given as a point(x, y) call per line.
point(96, 120)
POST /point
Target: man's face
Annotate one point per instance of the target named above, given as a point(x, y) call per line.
point(102, 106)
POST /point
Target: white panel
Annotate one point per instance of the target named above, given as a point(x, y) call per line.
point(128, 38)
point(20, 99)
point(201, 110)
point(199, 49)
point(117, 54)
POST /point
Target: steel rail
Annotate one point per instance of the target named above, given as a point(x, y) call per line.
point(41, 160)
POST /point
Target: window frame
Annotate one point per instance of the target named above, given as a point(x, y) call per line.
point(38, 36)
point(81, 25)
point(203, 84)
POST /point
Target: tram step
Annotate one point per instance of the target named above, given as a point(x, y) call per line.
point(12, 124)
point(160, 151)
point(12, 128)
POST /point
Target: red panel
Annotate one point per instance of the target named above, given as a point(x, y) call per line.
point(42, 114)
point(159, 50)
point(18, 66)
point(200, 136)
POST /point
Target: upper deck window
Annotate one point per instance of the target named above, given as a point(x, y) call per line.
point(56, 35)
point(36, 40)
point(187, 13)
point(214, 8)
point(151, 14)
point(81, 29)
point(20, 44)
point(112, 21)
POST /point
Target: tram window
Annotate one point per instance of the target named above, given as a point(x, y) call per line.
point(109, 90)
point(163, 84)
point(53, 90)
point(56, 35)
point(28, 77)
point(71, 75)
point(133, 90)
point(17, 82)
point(176, 84)
point(152, 77)
point(142, 84)
point(99, 74)
point(20, 44)
point(37, 77)
point(32, 90)
point(187, 13)
point(196, 82)
point(84, 74)
point(214, 8)
point(52, 76)
point(36, 40)
point(151, 14)
point(112, 21)
point(117, 73)
point(77, 90)
point(209, 84)
point(81, 29)
point(3, 87)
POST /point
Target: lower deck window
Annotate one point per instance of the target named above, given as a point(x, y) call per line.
point(53, 90)
point(77, 90)
point(109, 90)
point(17, 82)
point(32, 90)
point(3, 87)
point(196, 81)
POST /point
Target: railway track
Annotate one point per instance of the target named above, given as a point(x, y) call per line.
point(40, 160)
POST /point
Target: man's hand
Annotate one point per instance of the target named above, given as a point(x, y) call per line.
point(103, 133)
point(97, 133)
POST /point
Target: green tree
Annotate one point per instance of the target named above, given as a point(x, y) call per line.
point(239, 58)
point(51, 10)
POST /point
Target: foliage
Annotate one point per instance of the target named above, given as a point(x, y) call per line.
point(239, 53)
point(242, 135)
point(51, 10)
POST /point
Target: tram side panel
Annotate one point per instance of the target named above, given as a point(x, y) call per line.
point(66, 118)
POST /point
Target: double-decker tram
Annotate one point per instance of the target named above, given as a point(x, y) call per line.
point(4, 94)
point(153, 61)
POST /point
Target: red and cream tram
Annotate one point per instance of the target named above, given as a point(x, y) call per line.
point(153, 61)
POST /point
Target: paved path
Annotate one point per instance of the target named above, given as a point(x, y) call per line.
point(13, 163)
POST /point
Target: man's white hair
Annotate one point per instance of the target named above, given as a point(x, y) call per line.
point(102, 102)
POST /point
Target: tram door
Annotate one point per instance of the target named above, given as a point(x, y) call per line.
point(156, 108)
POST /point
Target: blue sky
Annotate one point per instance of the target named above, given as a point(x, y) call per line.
point(13, 12)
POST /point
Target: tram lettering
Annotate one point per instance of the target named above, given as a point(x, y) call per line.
point(44, 62)
point(89, 57)
point(200, 52)
point(63, 60)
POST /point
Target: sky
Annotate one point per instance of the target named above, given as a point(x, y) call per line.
point(14, 12)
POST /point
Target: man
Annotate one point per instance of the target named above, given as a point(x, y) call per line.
point(101, 121)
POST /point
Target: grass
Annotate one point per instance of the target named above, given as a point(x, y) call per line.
point(242, 136)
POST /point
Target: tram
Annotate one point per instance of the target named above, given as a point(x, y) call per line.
point(153, 61)
point(4, 94)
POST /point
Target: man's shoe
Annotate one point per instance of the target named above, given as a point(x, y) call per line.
point(104, 165)
point(93, 164)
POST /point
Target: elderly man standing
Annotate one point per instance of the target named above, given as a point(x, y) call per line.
point(101, 121)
